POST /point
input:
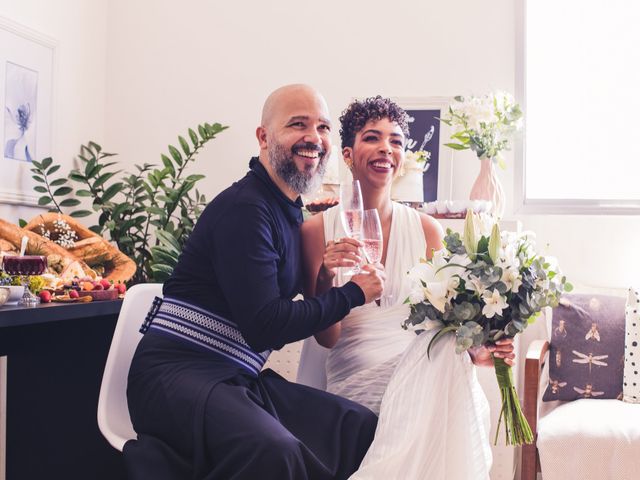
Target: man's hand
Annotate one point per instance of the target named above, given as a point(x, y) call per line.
point(341, 253)
point(481, 356)
point(371, 281)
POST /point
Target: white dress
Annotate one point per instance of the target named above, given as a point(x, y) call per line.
point(433, 415)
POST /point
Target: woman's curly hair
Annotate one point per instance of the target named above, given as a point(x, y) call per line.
point(357, 114)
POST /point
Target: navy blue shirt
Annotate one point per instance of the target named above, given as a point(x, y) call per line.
point(243, 262)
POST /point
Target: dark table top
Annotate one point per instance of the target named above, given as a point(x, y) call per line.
point(17, 316)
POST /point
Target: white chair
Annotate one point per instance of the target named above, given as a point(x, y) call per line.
point(311, 370)
point(113, 411)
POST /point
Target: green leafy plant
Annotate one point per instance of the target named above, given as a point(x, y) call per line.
point(149, 214)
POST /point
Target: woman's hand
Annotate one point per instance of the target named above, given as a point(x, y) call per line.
point(340, 253)
point(481, 356)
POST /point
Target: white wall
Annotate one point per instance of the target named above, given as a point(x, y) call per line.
point(172, 66)
point(80, 80)
point(134, 75)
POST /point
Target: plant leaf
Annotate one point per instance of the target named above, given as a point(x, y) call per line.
point(456, 146)
point(168, 239)
point(58, 182)
point(175, 154)
point(111, 192)
point(46, 162)
point(70, 202)
point(184, 145)
point(81, 213)
point(62, 191)
point(194, 138)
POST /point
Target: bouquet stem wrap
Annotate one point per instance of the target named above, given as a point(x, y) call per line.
point(516, 428)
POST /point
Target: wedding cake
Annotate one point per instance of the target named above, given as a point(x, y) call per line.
point(407, 186)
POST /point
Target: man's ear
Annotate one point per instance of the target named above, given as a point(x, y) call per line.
point(261, 135)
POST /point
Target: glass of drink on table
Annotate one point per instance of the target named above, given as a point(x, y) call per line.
point(351, 211)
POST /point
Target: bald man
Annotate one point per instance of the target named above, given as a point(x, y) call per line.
point(199, 400)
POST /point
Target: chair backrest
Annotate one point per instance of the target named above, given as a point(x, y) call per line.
point(311, 371)
point(113, 411)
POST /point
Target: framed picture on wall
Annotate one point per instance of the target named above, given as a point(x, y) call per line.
point(26, 102)
point(428, 134)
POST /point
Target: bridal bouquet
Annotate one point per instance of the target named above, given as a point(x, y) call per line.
point(482, 287)
point(484, 124)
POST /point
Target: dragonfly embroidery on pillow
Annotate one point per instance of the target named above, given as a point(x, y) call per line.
point(590, 359)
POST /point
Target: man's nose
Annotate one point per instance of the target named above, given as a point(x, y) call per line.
point(312, 136)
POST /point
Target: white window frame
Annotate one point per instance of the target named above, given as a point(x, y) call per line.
point(524, 205)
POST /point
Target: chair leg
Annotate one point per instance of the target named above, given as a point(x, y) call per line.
point(529, 467)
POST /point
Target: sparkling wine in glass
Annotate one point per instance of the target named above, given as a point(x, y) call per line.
point(372, 236)
point(351, 214)
point(373, 243)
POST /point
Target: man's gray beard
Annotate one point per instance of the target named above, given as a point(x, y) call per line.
point(281, 161)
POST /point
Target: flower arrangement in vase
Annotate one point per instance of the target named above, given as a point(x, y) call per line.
point(485, 125)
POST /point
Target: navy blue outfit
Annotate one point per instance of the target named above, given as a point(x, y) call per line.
point(206, 415)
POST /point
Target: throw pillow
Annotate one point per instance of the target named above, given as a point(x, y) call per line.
point(631, 385)
point(586, 357)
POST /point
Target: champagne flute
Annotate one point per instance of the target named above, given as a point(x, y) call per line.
point(351, 214)
point(372, 236)
point(373, 242)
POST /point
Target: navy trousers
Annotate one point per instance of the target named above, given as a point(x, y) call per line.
point(225, 424)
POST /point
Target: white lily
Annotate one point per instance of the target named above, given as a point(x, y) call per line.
point(438, 283)
point(494, 303)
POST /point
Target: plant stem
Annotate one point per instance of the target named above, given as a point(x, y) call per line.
point(517, 429)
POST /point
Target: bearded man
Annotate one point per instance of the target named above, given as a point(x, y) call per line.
point(197, 393)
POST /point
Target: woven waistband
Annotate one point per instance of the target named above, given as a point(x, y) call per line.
point(205, 329)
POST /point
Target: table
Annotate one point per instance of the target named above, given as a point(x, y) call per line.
point(55, 358)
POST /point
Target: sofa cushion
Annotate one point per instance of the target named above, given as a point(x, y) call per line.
point(631, 382)
point(590, 439)
point(586, 357)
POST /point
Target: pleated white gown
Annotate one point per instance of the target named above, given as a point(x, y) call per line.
point(433, 415)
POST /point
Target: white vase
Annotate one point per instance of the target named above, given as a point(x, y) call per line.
point(487, 187)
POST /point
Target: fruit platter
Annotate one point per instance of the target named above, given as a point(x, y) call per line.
point(84, 290)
